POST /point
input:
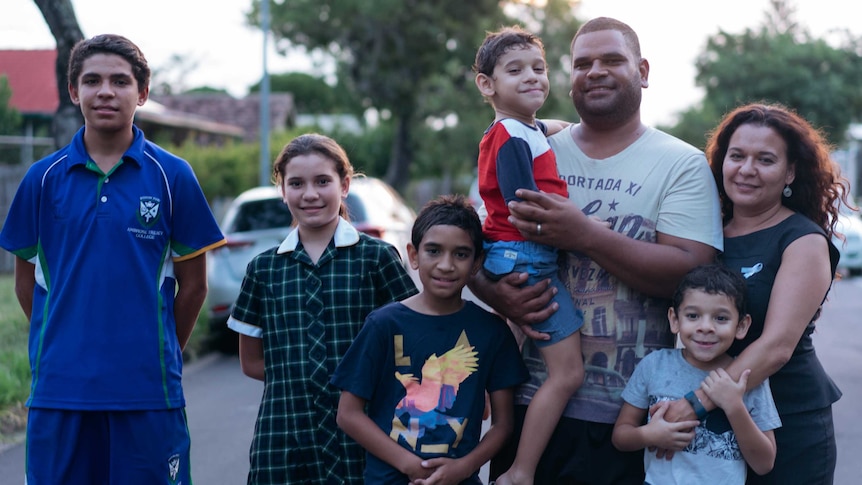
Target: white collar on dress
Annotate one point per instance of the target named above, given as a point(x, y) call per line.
point(345, 235)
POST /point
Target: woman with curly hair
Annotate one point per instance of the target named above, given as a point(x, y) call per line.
point(780, 194)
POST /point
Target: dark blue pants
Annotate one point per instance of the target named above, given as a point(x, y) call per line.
point(806, 450)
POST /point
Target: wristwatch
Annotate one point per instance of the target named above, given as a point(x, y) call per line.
point(699, 410)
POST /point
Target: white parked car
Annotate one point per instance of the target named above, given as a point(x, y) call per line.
point(258, 220)
point(850, 225)
point(474, 196)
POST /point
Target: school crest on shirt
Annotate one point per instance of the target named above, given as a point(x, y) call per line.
point(148, 212)
point(173, 467)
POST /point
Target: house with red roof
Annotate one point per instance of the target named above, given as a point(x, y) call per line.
point(32, 80)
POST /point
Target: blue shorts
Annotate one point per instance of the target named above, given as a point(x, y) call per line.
point(540, 263)
point(128, 447)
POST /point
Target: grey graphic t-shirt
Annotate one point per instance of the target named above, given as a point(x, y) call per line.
point(713, 456)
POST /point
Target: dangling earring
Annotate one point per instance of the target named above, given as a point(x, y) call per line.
point(787, 192)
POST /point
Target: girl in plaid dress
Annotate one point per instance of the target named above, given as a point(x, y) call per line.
point(301, 305)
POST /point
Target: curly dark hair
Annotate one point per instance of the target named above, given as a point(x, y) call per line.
point(818, 188)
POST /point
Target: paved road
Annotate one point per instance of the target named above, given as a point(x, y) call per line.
point(222, 403)
point(222, 406)
point(838, 341)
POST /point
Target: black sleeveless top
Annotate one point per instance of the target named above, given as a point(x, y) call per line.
point(802, 384)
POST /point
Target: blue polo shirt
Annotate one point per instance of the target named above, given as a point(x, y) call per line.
point(102, 332)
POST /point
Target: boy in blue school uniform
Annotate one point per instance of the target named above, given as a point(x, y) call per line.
point(109, 235)
point(423, 365)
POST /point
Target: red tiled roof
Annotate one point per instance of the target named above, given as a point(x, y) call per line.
point(32, 78)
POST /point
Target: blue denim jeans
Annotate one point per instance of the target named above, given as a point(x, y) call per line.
point(540, 263)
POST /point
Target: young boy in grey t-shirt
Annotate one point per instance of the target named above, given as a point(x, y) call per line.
point(708, 314)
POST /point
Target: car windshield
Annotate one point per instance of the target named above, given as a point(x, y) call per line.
point(355, 209)
point(262, 214)
point(265, 214)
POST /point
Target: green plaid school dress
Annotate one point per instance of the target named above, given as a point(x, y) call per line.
point(308, 314)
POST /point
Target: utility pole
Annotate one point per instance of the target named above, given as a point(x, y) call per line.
point(264, 98)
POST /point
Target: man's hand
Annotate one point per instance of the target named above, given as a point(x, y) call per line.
point(550, 219)
point(522, 305)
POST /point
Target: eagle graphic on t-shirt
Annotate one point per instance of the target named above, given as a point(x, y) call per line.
point(441, 377)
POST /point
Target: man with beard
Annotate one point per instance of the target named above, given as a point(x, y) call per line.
point(658, 196)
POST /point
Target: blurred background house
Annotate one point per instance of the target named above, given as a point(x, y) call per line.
point(206, 119)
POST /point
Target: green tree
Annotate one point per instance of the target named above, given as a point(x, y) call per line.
point(779, 62)
point(694, 124)
point(455, 114)
point(170, 78)
point(312, 94)
point(387, 51)
point(206, 90)
point(555, 22)
point(10, 118)
point(10, 124)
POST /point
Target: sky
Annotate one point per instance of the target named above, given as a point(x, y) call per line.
point(229, 54)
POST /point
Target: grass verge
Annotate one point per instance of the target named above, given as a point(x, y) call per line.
point(14, 364)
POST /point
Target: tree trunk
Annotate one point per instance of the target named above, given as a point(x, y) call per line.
point(398, 172)
point(61, 19)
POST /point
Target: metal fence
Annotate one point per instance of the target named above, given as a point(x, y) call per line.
point(10, 178)
point(17, 153)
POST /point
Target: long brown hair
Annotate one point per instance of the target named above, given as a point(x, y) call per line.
point(818, 187)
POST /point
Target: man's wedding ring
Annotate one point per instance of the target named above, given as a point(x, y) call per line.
point(539, 229)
